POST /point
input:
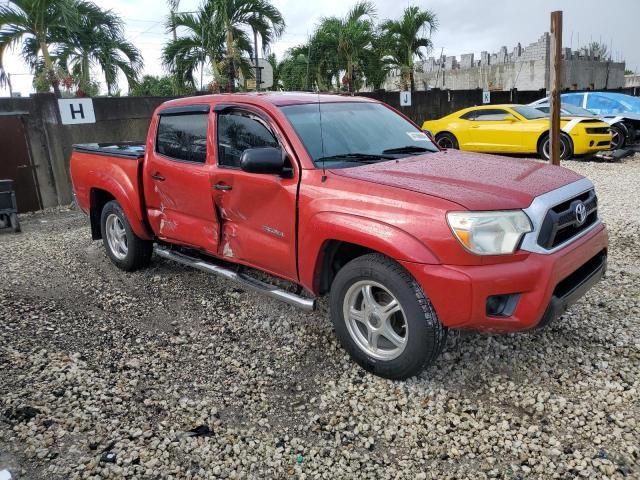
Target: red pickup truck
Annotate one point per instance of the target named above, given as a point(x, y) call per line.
point(347, 197)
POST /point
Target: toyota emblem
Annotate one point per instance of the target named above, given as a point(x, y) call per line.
point(581, 214)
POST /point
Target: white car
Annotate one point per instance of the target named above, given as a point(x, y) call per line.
point(625, 126)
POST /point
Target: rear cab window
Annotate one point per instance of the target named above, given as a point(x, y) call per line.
point(183, 137)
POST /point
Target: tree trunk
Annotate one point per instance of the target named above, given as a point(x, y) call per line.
point(349, 76)
point(255, 47)
point(231, 74)
point(55, 82)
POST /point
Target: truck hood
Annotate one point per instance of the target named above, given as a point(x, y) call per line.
point(475, 181)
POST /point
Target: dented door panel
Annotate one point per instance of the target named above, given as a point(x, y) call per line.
point(258, 215)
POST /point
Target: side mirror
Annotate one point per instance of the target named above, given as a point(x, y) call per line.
point(510, 118)
point(267, 160)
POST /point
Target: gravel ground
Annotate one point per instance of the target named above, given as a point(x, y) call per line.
point(170, 373)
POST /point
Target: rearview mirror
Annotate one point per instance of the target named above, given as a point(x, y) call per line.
point(266, 160)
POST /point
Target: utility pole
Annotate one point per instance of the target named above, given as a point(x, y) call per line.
point(555, 80)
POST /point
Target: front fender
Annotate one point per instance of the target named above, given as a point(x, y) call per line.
point(372, 234)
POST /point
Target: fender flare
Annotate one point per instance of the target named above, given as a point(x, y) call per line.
point(380, 237)
point(118, 184)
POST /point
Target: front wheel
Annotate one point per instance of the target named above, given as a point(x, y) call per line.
point(447, 140)
point(618, 137)
point(125, 249)
point(566, 149)
point(383, 318)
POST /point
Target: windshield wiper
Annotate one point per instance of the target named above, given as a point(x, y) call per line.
point(357, 157)
point(407, 149)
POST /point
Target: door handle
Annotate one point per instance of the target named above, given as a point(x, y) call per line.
point(157, 176)
point(222, 187)
point(475, 126)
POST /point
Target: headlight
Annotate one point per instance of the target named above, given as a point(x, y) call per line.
point(489, 233)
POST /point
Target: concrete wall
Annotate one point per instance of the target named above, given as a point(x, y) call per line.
point(632, 80)
point(50, 142)
point(524, 68)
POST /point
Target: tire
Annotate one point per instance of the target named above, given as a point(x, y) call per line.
point(418, 336)
point(447, 140)
point(126, 250)
point(566, 147)
point(618, 137)
point(15, 224)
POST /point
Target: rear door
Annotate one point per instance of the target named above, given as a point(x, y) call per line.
point(491, 132)
point(257, 211)
point(176, 179)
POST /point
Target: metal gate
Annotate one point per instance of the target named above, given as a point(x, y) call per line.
point(15, 163)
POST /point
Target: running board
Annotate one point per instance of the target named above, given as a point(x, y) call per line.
point(307, 304)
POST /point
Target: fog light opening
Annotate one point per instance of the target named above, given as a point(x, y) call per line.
point(502, 305)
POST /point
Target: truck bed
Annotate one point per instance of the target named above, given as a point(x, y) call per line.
point(133, 150)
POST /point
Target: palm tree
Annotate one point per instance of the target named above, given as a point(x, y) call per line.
point(408, 37)
point(173, 8)
point(29, 22)
point(98, 40)
point(349, 37)
point(233, 15)
point(215, 36)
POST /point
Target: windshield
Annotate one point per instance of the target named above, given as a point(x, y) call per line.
point(355, 132)
point(529, 113)
point(629, 103)
point(577, 111)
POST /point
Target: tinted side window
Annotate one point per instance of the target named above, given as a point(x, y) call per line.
point(573, 99)
point(488, 115)
point(183, 137)
point(238, 131)
point(469, 115)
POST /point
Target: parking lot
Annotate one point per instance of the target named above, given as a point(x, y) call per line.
point(170, 373)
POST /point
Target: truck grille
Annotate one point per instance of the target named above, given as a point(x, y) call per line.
point(562, 222)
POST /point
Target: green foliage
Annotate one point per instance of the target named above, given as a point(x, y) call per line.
point(345, 53)
point(153, 86)
point(292, 71)
point(82, 35)
point(216, 36)
point(408, 38)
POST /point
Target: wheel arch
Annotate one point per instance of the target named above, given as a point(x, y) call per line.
point(100, 195)
point(348, 237)
point(546, 132)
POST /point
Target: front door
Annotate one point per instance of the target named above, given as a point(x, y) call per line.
point(257, 211)
point(495, 130)
point(177, 183)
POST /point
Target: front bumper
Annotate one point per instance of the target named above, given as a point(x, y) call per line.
point(547, 284)
point(585, 144)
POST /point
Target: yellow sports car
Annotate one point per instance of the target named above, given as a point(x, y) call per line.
point(517, 129)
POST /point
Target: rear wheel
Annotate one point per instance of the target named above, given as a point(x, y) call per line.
point(447, 140)
point(383, 318)
point(566, 149)
point(126, 250)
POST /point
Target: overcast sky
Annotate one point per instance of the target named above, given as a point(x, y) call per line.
point(465, 26)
